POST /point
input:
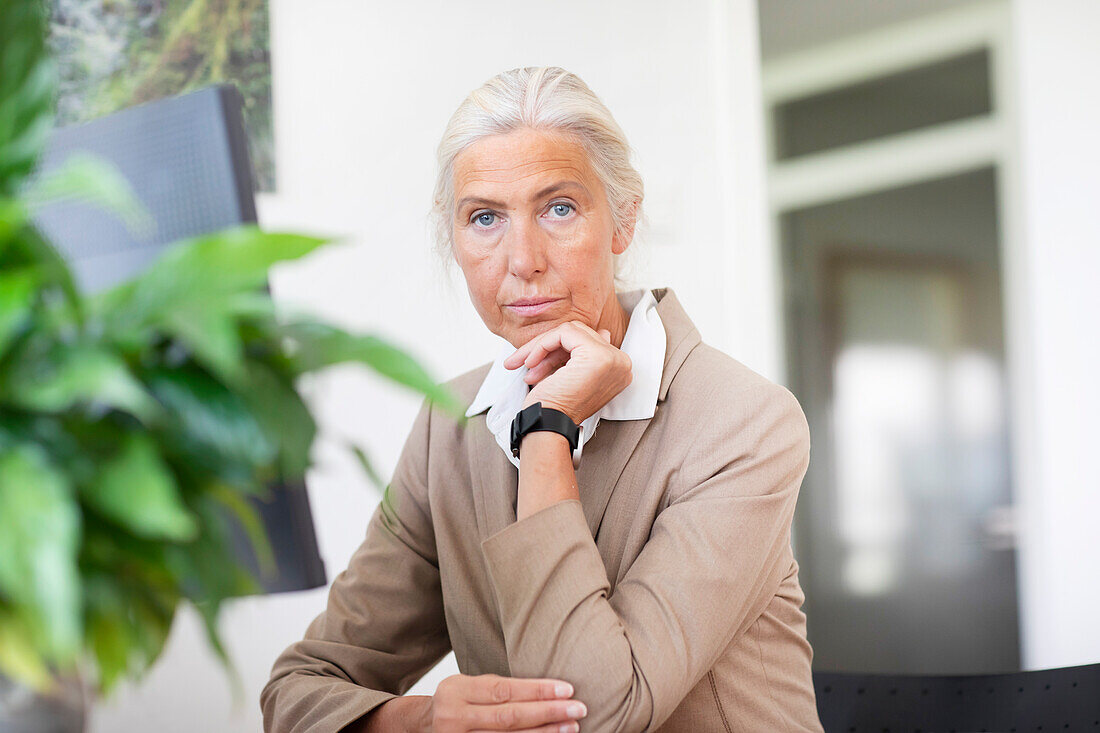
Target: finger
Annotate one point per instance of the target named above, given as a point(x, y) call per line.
point(567, 336)
point(546, 367)
point(606, 335)
point(537, 358)
point(584, 327)
point(492, 688)
point(548, 343)
point(519, 356)
point(524, 715)
point(571, 727)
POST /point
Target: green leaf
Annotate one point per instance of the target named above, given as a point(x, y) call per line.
point(28, 82)
point(211, 336)
point(153, 615)
point(233, 259)
point(19, 660)
point(125, 557)
point(206, 569)
point(193, 273)
point(109, 639)
point(26, 248)
point(39, 538)
point(12, 217)
point(316, 345)
point(368, 468)
point(208, 611)
point(96, 181)
point(22, 150)
point(128, 624)
point(66, 374)
point(282, 414)
point(137, 490)
point(17, 290)
point(211, 427)
point(249, 519)
point(250, 305)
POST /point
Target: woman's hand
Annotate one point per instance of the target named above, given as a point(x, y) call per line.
point(574, 369)
point(489, 702)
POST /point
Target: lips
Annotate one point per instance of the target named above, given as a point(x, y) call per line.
point(531, 306)
point(531, 301)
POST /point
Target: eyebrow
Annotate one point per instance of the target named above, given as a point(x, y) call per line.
point(552, 188)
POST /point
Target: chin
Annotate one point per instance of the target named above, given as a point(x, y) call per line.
point(520, 335)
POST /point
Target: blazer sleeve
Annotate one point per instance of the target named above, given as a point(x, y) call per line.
point(713, 561)
point(383, 627)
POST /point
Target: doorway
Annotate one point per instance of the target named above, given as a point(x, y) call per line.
point(895, 349)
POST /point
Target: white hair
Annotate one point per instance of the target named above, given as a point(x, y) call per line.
point(543, 98)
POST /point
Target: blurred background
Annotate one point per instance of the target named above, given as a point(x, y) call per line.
point(888, 206)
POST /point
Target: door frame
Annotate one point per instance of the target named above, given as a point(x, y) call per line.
point(920, 155)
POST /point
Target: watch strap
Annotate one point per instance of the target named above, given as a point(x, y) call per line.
point(535, 417)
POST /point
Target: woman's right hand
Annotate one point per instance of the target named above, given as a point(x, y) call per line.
point(488, 702)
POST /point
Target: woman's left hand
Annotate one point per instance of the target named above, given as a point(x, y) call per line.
point(574, 369)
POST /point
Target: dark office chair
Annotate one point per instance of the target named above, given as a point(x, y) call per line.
point(1066, 699)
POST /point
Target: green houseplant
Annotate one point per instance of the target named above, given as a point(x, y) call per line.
point(134, 422)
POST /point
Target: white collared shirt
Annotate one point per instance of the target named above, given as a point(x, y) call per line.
point(504, 391)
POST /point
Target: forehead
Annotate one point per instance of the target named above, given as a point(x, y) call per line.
point(519, 160)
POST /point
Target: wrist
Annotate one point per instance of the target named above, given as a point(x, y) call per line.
point(544, 441)
point(546, 473)
point(403, 714)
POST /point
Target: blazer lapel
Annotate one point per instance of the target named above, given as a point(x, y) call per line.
point(496, 480)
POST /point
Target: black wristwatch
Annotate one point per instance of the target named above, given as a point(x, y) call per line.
point(536, 417)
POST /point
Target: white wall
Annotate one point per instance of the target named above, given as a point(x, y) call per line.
point(362, 92)
point(1057, 60)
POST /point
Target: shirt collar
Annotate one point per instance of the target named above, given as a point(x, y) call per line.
point(644, 343)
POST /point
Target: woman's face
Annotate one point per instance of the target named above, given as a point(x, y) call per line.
point(532, 222)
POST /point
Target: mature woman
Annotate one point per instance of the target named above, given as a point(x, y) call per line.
point(608, 538)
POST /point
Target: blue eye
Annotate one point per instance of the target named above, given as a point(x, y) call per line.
point(562, 209)
point(480, 218)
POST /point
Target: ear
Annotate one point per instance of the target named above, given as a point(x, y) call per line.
point(625, 235)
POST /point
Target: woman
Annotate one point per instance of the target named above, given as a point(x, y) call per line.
point(635, 574)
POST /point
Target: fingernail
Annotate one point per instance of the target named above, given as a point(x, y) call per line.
point(563, 689)
point(569, 728)
point(576, 710)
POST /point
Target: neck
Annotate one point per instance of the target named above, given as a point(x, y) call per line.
point(615, 319)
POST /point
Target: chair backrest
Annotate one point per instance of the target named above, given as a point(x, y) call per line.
point(1066, 699)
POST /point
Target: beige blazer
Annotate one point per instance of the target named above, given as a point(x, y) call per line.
point(668, 595)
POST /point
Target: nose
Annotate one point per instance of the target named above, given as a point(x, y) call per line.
point(525, 243)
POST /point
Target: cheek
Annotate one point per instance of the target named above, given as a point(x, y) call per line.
point(471, 257)
point(481, 271)
point(584, 250)
point(473, 249)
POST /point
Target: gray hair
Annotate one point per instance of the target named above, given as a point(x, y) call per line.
point(539, 97)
